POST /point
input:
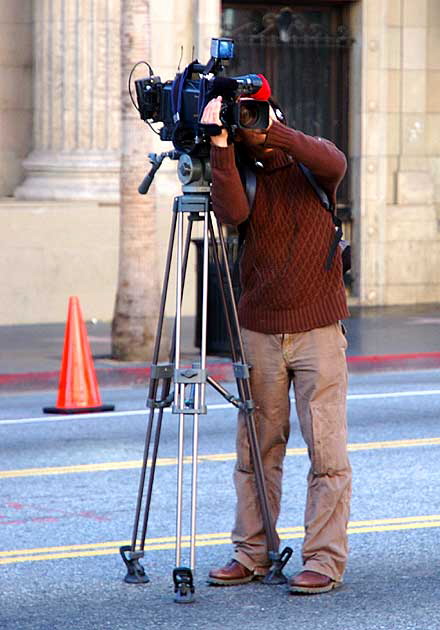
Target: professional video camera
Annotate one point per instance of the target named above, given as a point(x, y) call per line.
point(179, 103)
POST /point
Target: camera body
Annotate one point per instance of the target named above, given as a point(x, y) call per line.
point(179, 103)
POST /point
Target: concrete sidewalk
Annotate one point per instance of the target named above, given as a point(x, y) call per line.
point(379, 338)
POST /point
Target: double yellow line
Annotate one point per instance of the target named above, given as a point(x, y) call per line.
point(203, 540)
point(217, 457)
point(156, 544)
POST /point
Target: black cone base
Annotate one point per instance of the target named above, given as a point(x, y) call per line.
point(74, 410)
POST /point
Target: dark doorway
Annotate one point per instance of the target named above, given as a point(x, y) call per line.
point(304, 51)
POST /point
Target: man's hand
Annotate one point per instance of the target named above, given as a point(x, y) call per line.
point(272, 117)
point(251, 137)
point(211, 116)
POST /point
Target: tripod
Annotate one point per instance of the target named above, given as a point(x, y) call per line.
point(188, 396)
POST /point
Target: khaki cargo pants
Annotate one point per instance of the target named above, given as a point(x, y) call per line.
point(315, 362)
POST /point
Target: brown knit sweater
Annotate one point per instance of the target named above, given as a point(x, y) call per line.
point(285, 287)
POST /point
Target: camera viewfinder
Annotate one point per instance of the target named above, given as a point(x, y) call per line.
point(222, 48)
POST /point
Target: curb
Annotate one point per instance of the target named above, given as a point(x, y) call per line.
point(139, 376)
point(406, 361)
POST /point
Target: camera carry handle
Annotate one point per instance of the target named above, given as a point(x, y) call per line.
point(188, 396)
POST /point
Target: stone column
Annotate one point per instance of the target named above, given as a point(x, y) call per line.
point(176, 24)
point(76, 135)
point(412, 243)
point(414, 182)
point(208, 25)
point(370, 156)
point(398, 227)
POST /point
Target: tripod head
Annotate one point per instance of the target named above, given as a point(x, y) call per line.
point(193, 172)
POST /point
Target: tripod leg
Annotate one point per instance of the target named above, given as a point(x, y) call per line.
point(135, 572)
point(179, 392)
point(180, 456)
point(183, 576)
point(199, 390)
point(165, 395)
point(164, 372)
point(278, 560)
point(194, 487)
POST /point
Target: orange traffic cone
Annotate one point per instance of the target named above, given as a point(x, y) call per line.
point(78, 390)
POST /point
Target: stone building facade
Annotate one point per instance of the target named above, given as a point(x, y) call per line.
point(60, 94)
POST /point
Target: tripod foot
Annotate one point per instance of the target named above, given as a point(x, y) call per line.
point(183, 585)
point(279, 560)
point(135, 571)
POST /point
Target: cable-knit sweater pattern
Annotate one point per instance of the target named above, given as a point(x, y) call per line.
point(285, 286)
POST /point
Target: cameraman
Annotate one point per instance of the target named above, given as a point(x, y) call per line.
point(290, 310)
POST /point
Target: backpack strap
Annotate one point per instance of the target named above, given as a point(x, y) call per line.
point(249, 181)
point(323, 197)
point(250, 184)
point(328, 205)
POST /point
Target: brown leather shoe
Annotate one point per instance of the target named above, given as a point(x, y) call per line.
point(311, 583)
point(232, 573)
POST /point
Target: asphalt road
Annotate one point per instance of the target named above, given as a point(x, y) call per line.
point(68, 491)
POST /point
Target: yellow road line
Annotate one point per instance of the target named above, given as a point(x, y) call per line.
point(105, 466)
point(366, 446)
point(216, 457)
point(209, 539)
point(117, 543)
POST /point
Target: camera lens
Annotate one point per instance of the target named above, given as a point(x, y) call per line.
point(249, 114)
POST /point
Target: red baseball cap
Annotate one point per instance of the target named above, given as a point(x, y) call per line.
point(264, 93)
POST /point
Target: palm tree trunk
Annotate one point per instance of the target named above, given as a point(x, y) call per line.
point(137, 299)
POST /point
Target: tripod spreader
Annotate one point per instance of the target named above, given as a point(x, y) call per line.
point(224, 392)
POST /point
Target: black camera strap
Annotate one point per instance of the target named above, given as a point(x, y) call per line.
point(177, 89)
point(205, 95)
point(203, 90)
